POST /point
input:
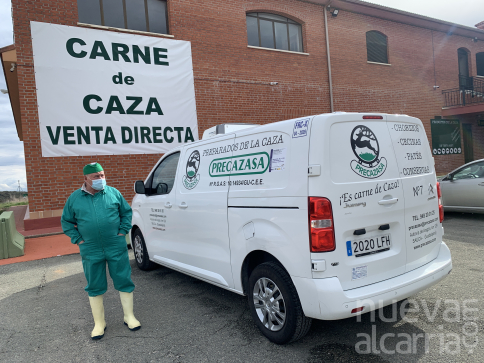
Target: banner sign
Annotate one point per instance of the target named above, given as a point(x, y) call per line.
point(104, 93)
point(445, 137)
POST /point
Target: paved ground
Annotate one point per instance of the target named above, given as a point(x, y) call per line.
point(46, 318)
point(39, 248)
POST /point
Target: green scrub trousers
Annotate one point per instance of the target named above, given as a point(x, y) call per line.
point(97, 220)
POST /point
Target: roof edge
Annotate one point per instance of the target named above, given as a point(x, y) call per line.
point(7, 48)
point(401, 16)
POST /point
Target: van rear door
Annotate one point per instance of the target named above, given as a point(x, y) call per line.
point(423, 230)
point(359, 175)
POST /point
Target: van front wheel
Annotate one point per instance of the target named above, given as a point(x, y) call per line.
point(275, 305)
point(140, 252)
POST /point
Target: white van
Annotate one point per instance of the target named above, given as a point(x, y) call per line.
point(323, 217)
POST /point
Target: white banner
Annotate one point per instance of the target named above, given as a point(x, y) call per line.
point(103, 93)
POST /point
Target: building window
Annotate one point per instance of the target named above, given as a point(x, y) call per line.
point(274, 31)
point(144, 15)
point(480, 64)
point(376, 47)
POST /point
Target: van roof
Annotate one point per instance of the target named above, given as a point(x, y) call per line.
point(261, 128)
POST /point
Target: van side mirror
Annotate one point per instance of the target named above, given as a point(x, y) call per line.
point(139, 187)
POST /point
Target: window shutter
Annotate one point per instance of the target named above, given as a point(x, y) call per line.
point(376, 46)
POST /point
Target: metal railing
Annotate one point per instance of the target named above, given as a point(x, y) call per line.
point(470, 91)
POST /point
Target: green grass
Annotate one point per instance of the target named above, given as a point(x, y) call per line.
point(367, 156)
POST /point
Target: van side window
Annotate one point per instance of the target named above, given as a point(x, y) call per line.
point(164, 175)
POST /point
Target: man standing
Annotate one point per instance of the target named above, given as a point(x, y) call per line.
point(97, 218)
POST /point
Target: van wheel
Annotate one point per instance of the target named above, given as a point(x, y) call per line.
point(140, 252)
point(275, 305)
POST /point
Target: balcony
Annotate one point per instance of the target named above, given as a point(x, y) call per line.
point(470, 92)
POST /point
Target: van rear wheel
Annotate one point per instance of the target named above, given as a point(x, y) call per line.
point(275, 305)
point(140, 252)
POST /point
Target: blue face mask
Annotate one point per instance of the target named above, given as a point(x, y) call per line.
point(98, 184)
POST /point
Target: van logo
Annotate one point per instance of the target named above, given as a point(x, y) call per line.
point(256, 163)
point(431, 191)
point(192, 177)
point(367, 150)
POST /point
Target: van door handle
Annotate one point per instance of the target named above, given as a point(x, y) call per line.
point(388, 201)
point(168, 205)
point(183, 205)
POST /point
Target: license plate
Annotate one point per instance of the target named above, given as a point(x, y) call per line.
point(368, 246)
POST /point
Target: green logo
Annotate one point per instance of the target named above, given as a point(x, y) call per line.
point(256, 163)
point(191, 178)
point(367, 150)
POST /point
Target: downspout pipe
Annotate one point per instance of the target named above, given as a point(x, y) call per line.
point(327, 53)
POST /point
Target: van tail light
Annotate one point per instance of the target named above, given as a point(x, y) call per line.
point(372, 117)
point(321, 228)
point(441, 207)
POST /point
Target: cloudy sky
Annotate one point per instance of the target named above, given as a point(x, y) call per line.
point(12, 164)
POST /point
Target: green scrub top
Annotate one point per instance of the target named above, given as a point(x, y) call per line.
point(96, 218)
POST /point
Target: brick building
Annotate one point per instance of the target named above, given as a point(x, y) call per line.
point(263, 61)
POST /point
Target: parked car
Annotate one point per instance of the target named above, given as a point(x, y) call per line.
point(325, 217)
point(463, 188)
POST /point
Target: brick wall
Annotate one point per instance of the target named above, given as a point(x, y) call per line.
point(232, 80)
point(404, 87)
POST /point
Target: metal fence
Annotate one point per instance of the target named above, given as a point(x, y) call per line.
point(470, 91)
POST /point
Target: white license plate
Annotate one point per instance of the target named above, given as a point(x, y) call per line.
point(368, 246)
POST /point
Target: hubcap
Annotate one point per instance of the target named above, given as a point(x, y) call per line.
point(269, 304)
point(138, 249)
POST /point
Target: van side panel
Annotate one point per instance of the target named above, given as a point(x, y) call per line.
point(275, 231)
point(270, 162)
point(268, 195)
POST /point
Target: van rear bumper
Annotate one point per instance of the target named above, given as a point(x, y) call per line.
point(325, 299)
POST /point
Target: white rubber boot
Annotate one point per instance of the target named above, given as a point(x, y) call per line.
point(97, 308)
point(129, 319)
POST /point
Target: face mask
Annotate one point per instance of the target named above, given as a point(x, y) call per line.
point(98, 184)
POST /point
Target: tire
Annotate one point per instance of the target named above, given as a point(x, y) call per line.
point(140, 252)
point(277, 313)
